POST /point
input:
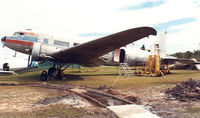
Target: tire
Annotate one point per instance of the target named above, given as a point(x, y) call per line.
point(59, 75)
point(51, 71)
point(44, 76)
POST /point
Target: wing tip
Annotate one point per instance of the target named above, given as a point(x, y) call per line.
point(149, 30)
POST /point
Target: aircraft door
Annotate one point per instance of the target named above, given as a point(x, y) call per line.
point(122, 56)
point(119, 55)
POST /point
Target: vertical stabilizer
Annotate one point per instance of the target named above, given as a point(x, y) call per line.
point(197, 65)
point(160, 41)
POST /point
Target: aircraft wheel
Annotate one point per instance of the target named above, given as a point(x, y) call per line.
point(59, 75)
point(51, 71)
point(44, 76)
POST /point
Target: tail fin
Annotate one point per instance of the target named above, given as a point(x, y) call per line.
point(197, 65)
point(160, 41)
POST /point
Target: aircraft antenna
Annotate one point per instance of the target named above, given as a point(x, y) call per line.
point(29, 29)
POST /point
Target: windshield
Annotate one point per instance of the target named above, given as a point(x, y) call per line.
point(19, 34)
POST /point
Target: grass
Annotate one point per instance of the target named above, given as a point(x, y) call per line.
point(106, 75)
point(193, 110)
point(55, 111)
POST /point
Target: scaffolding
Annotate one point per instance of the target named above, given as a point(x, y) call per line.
point(126, 70)
point(152, 65)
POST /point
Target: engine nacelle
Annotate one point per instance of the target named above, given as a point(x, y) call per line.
point(36, 51)
point(40, 49)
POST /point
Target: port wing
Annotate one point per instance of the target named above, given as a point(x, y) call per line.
point(89, 52)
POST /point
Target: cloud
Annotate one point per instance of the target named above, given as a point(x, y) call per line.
point(169, 25)
point(144, 5)
point(91, 19)
point(196, 3)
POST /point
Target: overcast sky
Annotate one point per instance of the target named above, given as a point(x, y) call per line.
point(84, 20)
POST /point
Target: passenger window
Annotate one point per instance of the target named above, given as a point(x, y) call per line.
point(61, 43)
point(46, 41)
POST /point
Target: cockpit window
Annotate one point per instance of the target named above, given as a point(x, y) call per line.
point(19, 34)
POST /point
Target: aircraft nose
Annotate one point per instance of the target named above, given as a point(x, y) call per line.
point(3, 39)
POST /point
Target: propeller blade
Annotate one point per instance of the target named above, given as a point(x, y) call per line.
point(29, 57)
point(15, 54)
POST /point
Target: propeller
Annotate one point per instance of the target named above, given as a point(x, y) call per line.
point(3, 41)
point(15, 54)
point(29, 59)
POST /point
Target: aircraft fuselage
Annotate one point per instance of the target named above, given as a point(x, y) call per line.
point(41, 44)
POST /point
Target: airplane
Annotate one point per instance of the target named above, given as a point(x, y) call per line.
point(171, 60)
point(13, 64)
point(42, 47)
point(134, 56)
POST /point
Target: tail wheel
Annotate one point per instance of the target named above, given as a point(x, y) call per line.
point(44, 76)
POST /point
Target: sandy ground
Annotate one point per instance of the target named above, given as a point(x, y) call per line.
point(18, 101)
point(155, 100)
point(23, 98)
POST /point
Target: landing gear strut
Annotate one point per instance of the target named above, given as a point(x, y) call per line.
point(54, 72)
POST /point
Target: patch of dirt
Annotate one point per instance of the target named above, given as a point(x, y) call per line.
point(97, 112)
point(156, 100)
point(10, 84)
point(134, 98)
point(22, 98)
point(185, 91)
point(70, 99)
point(19, 101)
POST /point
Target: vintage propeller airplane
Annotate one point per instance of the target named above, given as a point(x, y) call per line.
point(41, 47)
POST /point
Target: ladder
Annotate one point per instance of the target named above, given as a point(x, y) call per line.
point(125, 69)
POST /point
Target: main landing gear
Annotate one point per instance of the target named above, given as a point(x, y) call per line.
point(55, 72)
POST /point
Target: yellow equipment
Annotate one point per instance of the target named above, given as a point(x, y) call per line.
point(151, 67)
